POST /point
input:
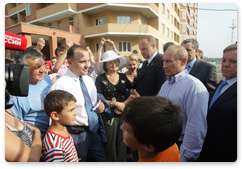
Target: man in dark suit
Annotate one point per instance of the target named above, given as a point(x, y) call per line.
point(151, 76)
point(204, 71)
point(221, 140)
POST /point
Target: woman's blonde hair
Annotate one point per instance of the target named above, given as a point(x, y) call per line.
point(132, 57)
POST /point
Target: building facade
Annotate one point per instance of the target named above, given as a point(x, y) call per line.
point(87, 23)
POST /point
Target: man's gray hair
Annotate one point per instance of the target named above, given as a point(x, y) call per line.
point(230, 47)
point(195, 44)
point(30, 53)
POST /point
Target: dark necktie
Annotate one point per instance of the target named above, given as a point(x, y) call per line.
point(217, 93)
point(92, 116)
point(145, 63)
point(188, 67)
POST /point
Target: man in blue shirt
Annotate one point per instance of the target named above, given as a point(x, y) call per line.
point(31, 108)
point(192, 96)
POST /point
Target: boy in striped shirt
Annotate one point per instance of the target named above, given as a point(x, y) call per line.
point(58, 145)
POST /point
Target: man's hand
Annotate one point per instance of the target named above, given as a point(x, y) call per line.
point(100, 108)
point(40, 44)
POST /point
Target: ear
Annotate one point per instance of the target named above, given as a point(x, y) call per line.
point(154, 46)
point(184, 61)
point(196, 51)
point(54, 116)
point(69, 61)
point(149, 148)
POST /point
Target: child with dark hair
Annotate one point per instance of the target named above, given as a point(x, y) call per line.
point(58, 144)
point(152, 125)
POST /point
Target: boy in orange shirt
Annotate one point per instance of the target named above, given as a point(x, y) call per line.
point(152, 125)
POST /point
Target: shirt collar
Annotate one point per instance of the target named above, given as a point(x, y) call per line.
point(71, 74)
point(191, 64)
point(151, 58)
point(231, 81)
point(177, 77)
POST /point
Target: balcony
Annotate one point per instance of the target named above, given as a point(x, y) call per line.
point(70, 28)
point(14, 9)
point(118, 30)
point(55, 12)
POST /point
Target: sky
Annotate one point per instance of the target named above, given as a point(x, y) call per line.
point(214, 32)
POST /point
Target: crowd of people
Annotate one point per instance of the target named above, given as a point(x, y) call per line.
point(114, 108)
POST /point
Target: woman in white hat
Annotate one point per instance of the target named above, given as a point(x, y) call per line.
point(115, 87)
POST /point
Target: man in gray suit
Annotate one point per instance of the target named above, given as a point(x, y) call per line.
point(204, 71)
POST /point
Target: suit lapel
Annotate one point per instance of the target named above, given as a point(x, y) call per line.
point(231, 91)
point(151, 64)
point(195, 68)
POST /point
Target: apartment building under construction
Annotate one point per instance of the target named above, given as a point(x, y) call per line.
point(87, 23)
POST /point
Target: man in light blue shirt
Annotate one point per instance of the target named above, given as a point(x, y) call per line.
point(192, 96)
point(31, 108)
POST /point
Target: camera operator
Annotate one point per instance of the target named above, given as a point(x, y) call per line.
point(31, 109)
point(22, 141)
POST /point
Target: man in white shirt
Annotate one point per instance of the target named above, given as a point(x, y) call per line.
point(88, 143)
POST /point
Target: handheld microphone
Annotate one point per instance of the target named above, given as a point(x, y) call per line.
point(15, 42)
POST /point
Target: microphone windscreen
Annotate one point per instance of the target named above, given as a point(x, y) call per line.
point(15, 42)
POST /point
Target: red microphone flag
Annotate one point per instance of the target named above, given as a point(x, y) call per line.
point(15, 42)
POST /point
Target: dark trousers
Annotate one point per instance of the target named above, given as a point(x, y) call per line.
point(89, 146)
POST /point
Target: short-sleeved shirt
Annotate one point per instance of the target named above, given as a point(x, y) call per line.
point(57, 148)
point(171, 154)
point(110, 91)
point(31, 108)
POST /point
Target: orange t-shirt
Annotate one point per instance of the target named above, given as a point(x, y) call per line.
point(171, 154)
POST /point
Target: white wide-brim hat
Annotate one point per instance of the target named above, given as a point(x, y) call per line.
point(109, 56)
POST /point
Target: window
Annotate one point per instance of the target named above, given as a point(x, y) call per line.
point(100, 21)
point(171, 18)
point(163, 29)
point(191, 22)
point(183, 38)
point(97, 47)
point(184, 15)
point(59, 24)
point(49, 25)
point(183, 27)
point(168, 14)
point(184, 4)
point(28, 9)
point(191, 30)
point(70, 21)
point(167, 32)
point(171, 35)
point(124, 46)
point(142, 22)
point(123, 20)
point(191, 12)
point(163, 8)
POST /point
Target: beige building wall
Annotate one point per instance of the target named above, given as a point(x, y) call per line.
point(84, 22)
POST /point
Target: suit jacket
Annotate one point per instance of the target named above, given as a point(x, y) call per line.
point(206, 73)
point(150, 79)
point(106, 115)
point(221, 140)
